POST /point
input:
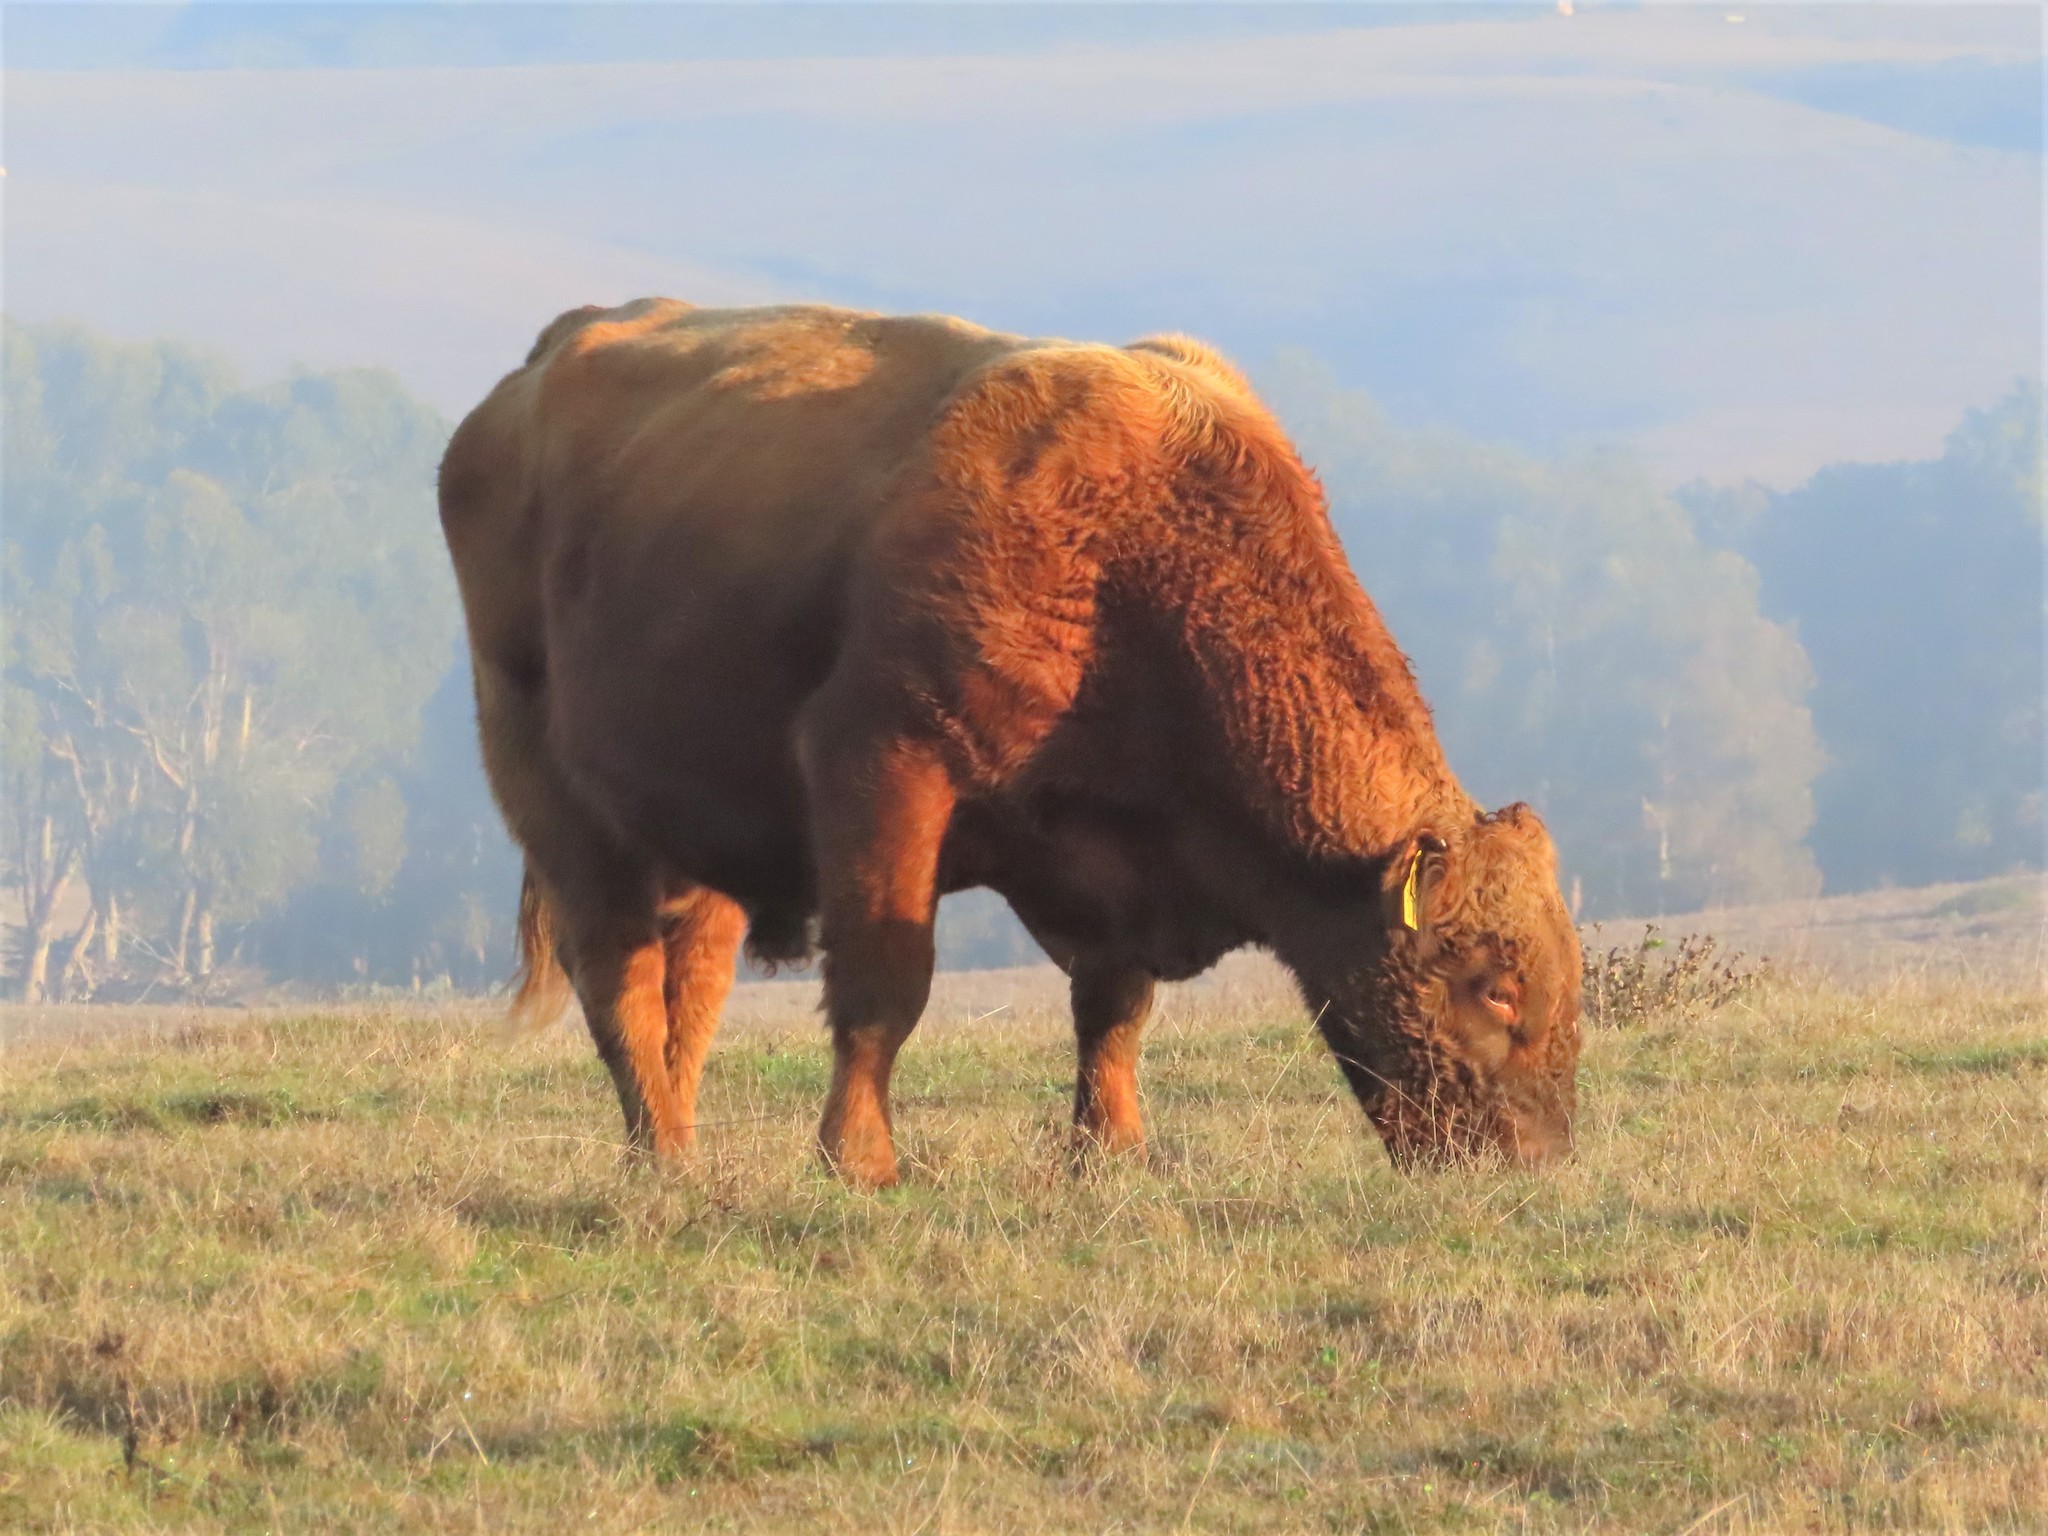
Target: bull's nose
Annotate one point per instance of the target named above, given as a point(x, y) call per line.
point(1536, 1143)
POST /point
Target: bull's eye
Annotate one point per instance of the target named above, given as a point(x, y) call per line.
point(1503, 999)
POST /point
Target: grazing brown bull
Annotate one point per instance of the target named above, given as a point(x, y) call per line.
point(795, 612)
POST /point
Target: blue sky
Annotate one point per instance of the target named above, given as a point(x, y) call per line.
point(1736, 247)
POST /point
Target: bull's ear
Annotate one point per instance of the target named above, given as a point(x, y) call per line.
point(1525, 828)
point(1520, 819)
point(1414, 878)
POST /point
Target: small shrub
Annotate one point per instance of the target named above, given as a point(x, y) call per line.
point(1654, 981)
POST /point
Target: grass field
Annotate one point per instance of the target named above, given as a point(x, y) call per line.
point(366, 1271)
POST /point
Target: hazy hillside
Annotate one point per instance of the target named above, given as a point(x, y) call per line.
point(238, 732)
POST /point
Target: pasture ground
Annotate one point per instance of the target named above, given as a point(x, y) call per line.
point(370, 1270)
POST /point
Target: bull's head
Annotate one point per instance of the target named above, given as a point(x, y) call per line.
point(1460, 1032)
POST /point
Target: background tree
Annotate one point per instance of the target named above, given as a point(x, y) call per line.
point(221, 604)
point(417, 882)
point(1917, 590)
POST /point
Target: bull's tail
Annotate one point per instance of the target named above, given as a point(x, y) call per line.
point(542, 991)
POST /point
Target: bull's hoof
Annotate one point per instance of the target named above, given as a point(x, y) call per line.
point(1112, 1138)
point(1095, 1146)
point(865, 1162)
point(661, 1150)
point(671, 1151)
point(868, 1173)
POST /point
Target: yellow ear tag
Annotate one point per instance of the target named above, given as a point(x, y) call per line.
point(1410, 918)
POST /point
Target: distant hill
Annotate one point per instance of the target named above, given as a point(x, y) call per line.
point(1990, 932)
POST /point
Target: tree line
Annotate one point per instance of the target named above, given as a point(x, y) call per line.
point(237, 742)
point(226, 608)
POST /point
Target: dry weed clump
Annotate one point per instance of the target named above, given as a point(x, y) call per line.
point(1655, 982)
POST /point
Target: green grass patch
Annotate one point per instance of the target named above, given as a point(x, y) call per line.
point(371, 1273)
point(1979, 1058)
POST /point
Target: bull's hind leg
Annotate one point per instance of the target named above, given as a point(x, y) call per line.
point(618, 963)
point(879, 813)
point(703, 937)
point(1111, 1003)
point(608, 936)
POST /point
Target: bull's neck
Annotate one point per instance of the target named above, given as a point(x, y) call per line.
point(1320, 717)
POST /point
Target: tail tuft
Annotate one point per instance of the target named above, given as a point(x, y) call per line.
point(543, 991)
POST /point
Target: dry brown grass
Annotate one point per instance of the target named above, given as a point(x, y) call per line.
point(366, 1272)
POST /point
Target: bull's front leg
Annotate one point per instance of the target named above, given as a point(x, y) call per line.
point(704, 930)
point(879, 814)
point(1111, 1003)
point(617, 963)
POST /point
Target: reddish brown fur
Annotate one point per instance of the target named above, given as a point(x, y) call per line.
point(799, 612)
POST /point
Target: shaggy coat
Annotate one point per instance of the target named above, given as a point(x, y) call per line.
point(794, 614)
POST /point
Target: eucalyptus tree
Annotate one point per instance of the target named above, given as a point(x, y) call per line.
point(222, 602)
point(1918, 589)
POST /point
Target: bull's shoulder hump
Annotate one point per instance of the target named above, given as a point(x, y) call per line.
point(1199, 358)
point(781, 353)
point(1168, 397)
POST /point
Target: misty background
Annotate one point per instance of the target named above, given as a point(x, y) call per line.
point(1675, 379)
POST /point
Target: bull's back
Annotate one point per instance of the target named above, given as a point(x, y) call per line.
point(656, 521)
point(732, 445)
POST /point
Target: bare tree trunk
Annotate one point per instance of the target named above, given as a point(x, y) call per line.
point(188, 827)
point(205, 942)
point(187, 909)
point(76, 963)
point(110, 934)
point(41, 915)
point(35, 976)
